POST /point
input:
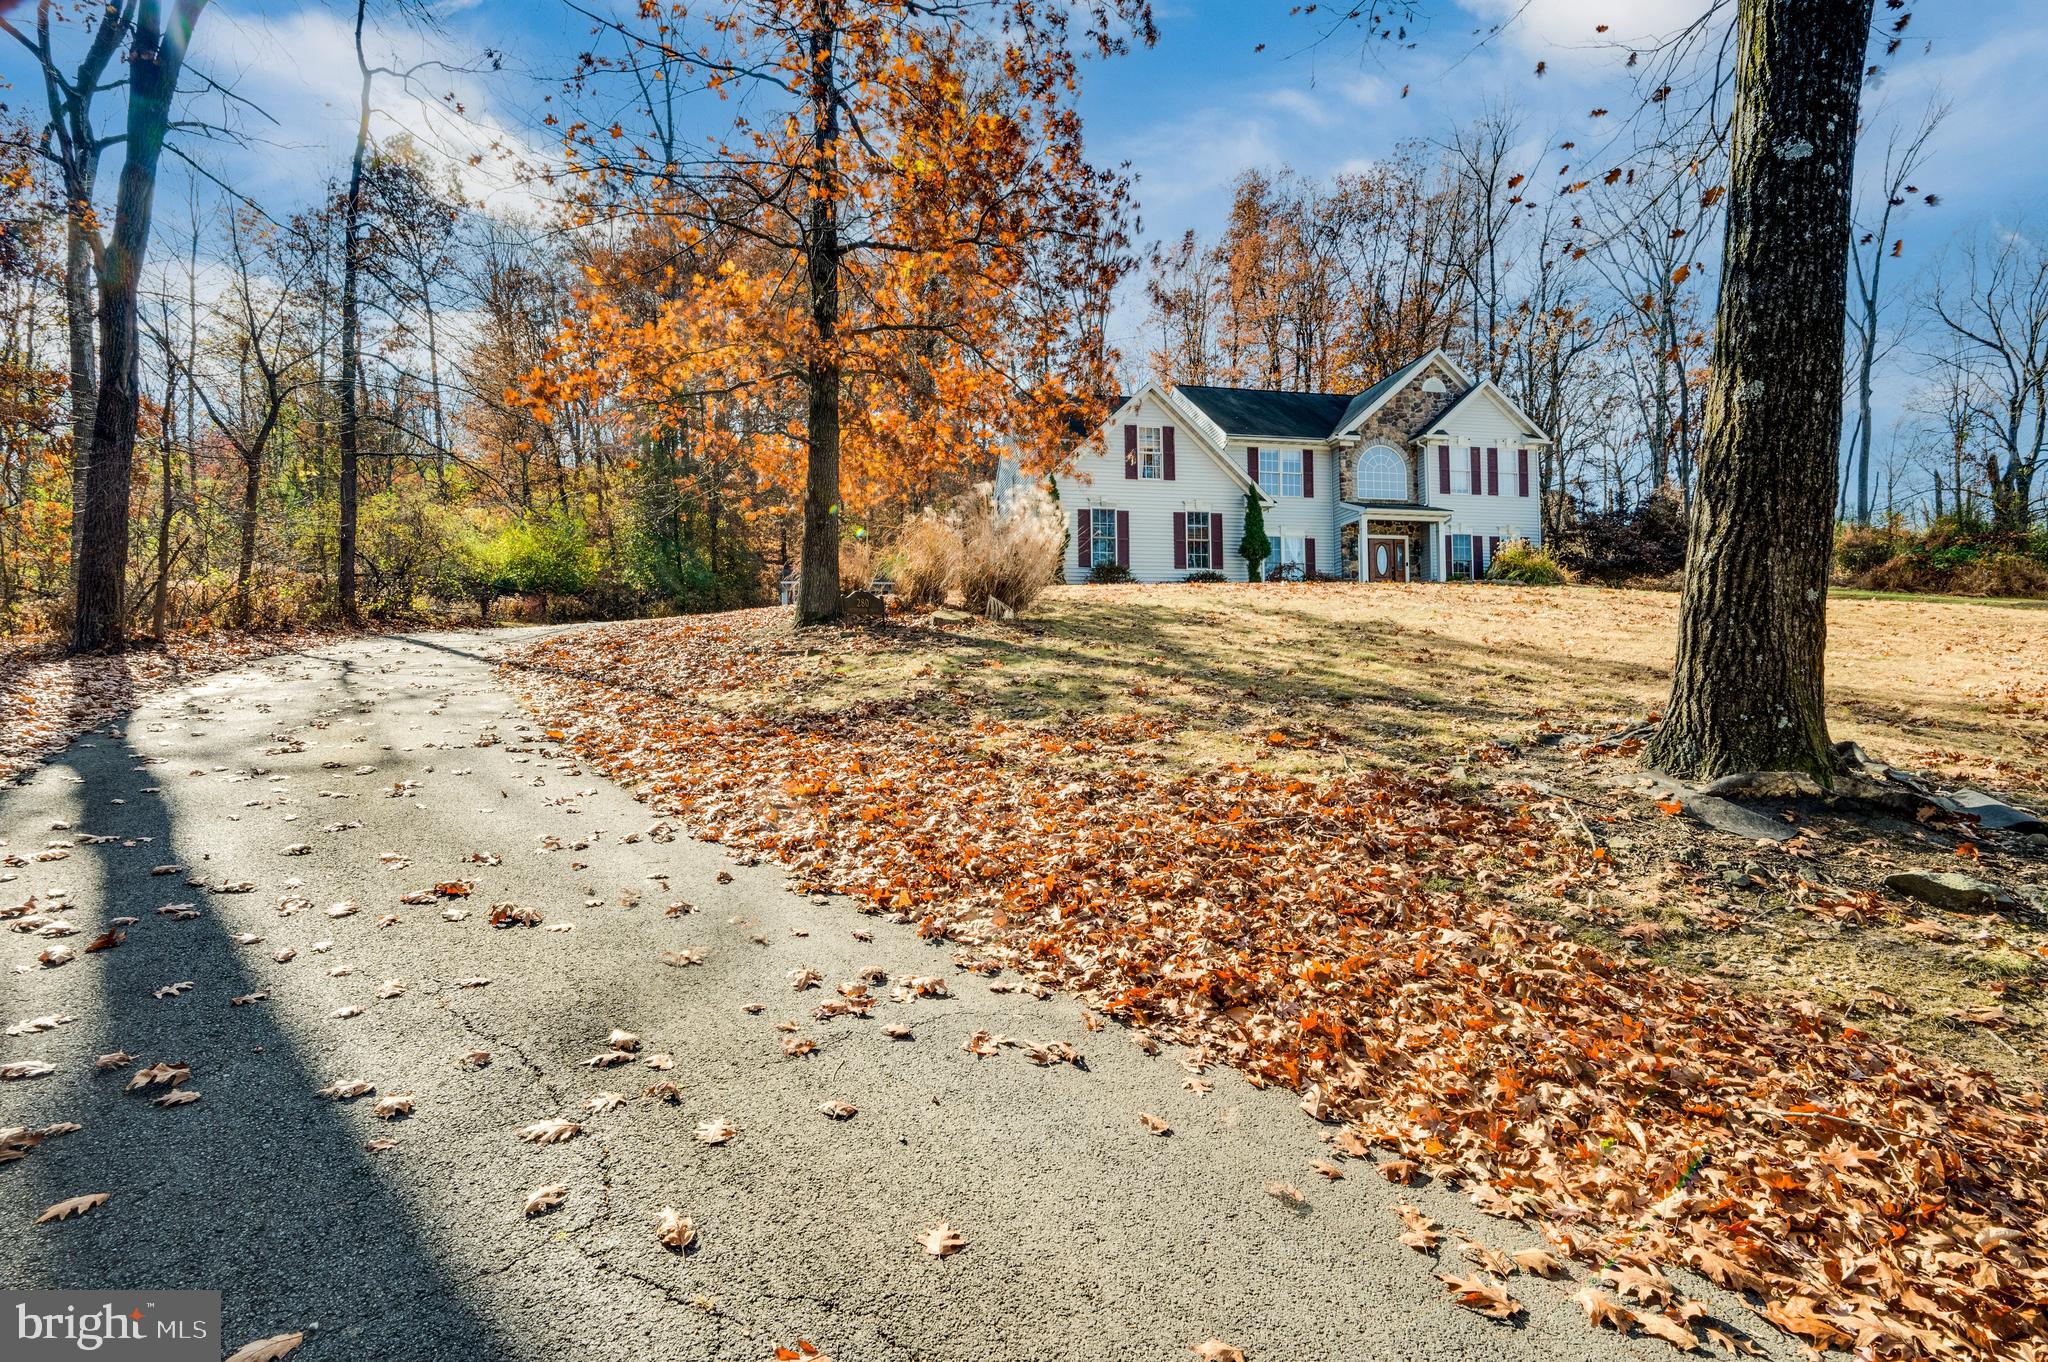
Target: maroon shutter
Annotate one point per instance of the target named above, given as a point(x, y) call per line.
point(1130, 451)
point(1492, 547)
point(1443, 467)
point(1180, 539)
point(1251, 464)
point(1475, 468)
point(1081, 526)
point(1216, 541)
point(1123, 538)
point(1308, 554)
point(1492, 471)
point(1166, 450)
point(1308, 472)
point(1447, 558)
point(1522, 472)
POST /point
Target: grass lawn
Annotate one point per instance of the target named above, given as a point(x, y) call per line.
point(1310, 678)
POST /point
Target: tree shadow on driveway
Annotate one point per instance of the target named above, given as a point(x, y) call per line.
point(261, 1189)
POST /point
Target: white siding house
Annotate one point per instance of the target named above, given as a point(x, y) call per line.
point(1420, 477)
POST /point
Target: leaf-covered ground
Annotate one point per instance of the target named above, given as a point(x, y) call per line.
point(1346, 930)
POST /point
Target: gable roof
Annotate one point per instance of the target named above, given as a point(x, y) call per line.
point(1366, 401)
point(1266, 411)
point(1373, 398)
point(1507, 404)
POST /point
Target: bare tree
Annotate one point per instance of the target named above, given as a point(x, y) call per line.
point(1996, 311)
point(1905, 152)
point(265, 339)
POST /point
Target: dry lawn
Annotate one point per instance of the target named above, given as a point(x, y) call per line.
point(1400, 675)
point(1459, 680)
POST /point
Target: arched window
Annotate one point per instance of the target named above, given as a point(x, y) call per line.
point(1382, 475)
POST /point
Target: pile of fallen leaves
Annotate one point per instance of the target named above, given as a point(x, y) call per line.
point(47, 699)
point(1339, 937)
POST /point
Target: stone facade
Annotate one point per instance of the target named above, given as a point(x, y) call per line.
point(1406, 414)
point(1418, 535)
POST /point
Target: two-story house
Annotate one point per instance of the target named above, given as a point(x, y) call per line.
point(1421, 477)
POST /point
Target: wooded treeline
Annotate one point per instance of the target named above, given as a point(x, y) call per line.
point(1593, 310)
point(787, 287)
point(816, 269)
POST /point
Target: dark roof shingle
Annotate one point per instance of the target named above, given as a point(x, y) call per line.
point(1263, 411)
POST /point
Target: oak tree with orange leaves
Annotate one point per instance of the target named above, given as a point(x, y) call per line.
point(894, 257)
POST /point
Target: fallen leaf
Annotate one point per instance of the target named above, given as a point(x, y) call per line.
point(1604, 1312)
point(552, 1131)
point(71, 1206)
point(1478, 1293)
point(1154, 1124)
point(546, 1198)
point(941, 1240)
point(1537, 1263)
point(267, 1349)
point(674, 1229)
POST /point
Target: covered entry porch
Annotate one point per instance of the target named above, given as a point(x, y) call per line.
point(1385, 541)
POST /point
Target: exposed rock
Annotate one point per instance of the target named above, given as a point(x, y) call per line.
point(948, 615)
point(1957, 893)
point(1736, 821)
point(1993, 814)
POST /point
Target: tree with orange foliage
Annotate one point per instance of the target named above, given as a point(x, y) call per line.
point(894, 261)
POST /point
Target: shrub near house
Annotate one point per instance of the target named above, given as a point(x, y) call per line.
point(1421, 477)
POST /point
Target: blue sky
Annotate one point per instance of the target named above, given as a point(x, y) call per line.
point(1188, 115)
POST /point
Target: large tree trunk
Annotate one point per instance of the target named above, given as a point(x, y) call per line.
point(817, 599)
point(154, 63)
point(84, 377)
point(351, 345)
point(1746, 693)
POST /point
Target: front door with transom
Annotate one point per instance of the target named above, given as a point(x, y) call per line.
point(1386, 560)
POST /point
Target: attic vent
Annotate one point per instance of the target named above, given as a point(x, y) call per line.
point(1432, 384)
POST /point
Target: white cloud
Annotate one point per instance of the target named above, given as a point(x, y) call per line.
point(299, 68)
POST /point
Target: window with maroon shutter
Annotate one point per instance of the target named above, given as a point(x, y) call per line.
point(1308, 472)
point(1308, 559)
point(1166, 450)
point(1130, 451)
point(1443, 467)
point(1081, 544)
point(1522, 472)
point(1180, 539)
point(1492, 471)
point(1475, 485)
point(1123, 539)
